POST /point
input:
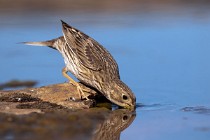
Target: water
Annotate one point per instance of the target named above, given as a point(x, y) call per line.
point(163, 58)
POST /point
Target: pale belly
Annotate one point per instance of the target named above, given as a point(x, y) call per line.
point(71, 67)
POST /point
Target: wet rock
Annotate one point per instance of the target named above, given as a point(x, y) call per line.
point(47, 97)
point(11, 108)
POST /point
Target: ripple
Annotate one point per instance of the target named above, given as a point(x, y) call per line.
point(197, 109)
point(156, 106)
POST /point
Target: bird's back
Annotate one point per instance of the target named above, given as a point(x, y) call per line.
point(89, 53)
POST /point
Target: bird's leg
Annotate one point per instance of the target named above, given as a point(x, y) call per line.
point(81, 93)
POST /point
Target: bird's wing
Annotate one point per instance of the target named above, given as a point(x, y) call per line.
point(90, 53)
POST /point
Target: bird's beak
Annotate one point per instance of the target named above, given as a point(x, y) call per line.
point(130, 107)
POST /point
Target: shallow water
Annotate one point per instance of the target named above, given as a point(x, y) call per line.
point(163, 58)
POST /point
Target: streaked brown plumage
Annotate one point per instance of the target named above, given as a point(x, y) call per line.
point(91, 64)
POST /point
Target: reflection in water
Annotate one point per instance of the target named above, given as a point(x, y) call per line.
point(92, 124)
point(115, 123)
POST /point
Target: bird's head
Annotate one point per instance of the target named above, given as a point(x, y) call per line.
point(120, 94)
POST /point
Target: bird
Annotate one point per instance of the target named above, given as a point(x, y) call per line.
point(91, 64)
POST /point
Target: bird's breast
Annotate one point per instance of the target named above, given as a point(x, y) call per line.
point(71, 67)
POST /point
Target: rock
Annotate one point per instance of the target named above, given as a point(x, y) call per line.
point(64, 95)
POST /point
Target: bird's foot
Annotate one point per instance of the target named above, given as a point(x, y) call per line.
point(82, 94)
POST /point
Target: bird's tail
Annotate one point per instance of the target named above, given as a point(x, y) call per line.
point(41, 43)
point(49, 43)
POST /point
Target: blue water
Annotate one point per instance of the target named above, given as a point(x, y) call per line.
point(164, 60)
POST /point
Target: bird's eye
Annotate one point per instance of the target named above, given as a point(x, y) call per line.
point(125, 117)
point(125, 97)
